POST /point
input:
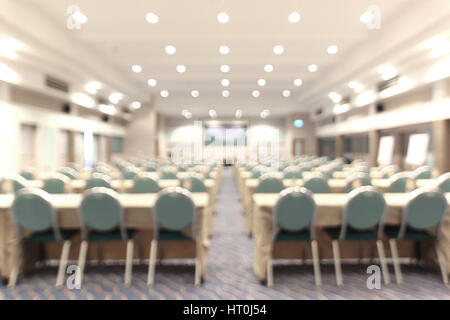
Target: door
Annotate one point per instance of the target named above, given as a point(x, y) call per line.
point(298, 148)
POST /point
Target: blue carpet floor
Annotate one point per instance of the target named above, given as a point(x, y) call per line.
point(229, 273)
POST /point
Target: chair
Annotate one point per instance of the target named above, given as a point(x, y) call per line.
point(425, 210)
point(129, 173)
point(400, 183)
point(168, 174)
point(98, 180)
point(294, 220)
point(423, 172)
point(292, 172)
point(269, 184)
point(443, 182)
point(18, 183)
point(145, 184)
point(390, 170)
point(173, 212)
point(56, 184)
point(256, 173)
point(356, 180)
point(151, 168)
point(362, 220)
point(316, 183)
point(194, 183)
point(103, 219)
point(36, 221)
point(69, 172)
point(28, 173)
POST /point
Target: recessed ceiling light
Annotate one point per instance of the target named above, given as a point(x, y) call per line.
point(387, 72)
point(136, 68)
point(152, 18)
point(136, 105)
point(225, 93)
point(225, 82)
point(115, 97)
point(170, 49)
point(298, 82)
point(265, 113)
point(225, 68)
point(313, 68)
point(224, 50)
point(294, 17)
point(195, 93)
point(223, 17)
point(278, 49)
point(108, 109)
point(93, 87)
point(333, 49)
point(352, 84)
point(181, 68)
point(335, 97)
point(286, 93)
point(8, 48)
point(152, 82)
point(186, 113)
point(164, 93)
point(79, 17)
point(358, 88)
point(255, 93)
point(366, 17)
point(261, 82)
point(238, 113)
point(268, 68)
point(212, 113)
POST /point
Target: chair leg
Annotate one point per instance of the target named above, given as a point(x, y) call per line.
point(63, 263)
point(316, 262)
point(441, 264)
point(82, 262)
point(269, 272)
point(394, 252)
point(384, 266)
point(198, 272)
point(337, 263)
point(129, 262)
point(17, 263)
point(151, 263)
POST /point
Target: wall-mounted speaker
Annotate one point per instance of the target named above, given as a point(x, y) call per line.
point(380, 107)
point(66, 108)
point(105, 118)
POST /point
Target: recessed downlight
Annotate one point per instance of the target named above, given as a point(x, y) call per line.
point(333, 49)
point(225, 93)
point(225, 68)
point(136, 105)
point(286, 93)
point(181, 68)
point(195, 93)
point(136, 68)
point(225, 82)
point(313, 68)
point(170, 49)
point(261, 82)
point(93, 87)
point(115, 97)
point(298, 82)
point(238, 113)
point(224, 50)
point(152, 82)
point(152, 18)
point(255, 93)
point(223, 17)
point(268, 68)
point(278, 49)
point(212, 113)
point(164, 93)
point(265, 113)
point(294, 17)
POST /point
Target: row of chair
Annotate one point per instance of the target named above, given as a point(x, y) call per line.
point(102, 218)
point(294, 217)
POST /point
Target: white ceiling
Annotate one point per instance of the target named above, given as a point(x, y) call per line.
point(118, 30)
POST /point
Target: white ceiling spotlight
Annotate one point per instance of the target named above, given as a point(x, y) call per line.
point(333, 49)
point(164, 93)
point(313, 68)
point(238, 113)
point(93, 87)
point(136, 105)
point(225, 93)
point(170, 50)
point(294, 17)
point(108, 109)
point(265, 113)
point(225, 68)
point(212, 113)
point(181, 68)
point(152, 18)
point(268, 68)
point(223, 17)
point(79, 17)
point(286, 93)
point(115, 97)
point(152, 82)
point(224, 50)
point(8, 48)
point(278, 49)
point(366, 17)
point(357, 87)
point(225, 82)
point(136, 68)
point(335, 97)
point(255, 93)
point(195, 93)
point(186, 113)
point(298, 82)
point(261, 82)
point(387, 72)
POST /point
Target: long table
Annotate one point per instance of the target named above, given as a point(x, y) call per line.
point(138, 210)
point(329, 213)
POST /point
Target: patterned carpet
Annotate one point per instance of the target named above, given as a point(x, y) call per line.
point(229, 273)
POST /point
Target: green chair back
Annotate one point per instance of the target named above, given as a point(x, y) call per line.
point(69, 172)
point(295, 210)
point(98, 181)
point(356, 180)
point(143, 184)
point(425, 209)
point(256, 173)
point(269, 184)
point(174, 210)
point(28, 175)
point(364, 209)
point(151, 168)
point(168, 175)
point(390, 170)
point(33, 211)
point(55, 184)
point(292, 172)
point(424, 172)
point(443, 182)
point(193, 184)
point(18, 183)
point(400, 183)
point(317, 184)
point(129, 174)
point(100, 210)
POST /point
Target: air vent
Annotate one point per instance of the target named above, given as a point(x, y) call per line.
point(56, 84)
point(101, 100)
point(383, 85)
point(345, 100)
point(319, 112)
